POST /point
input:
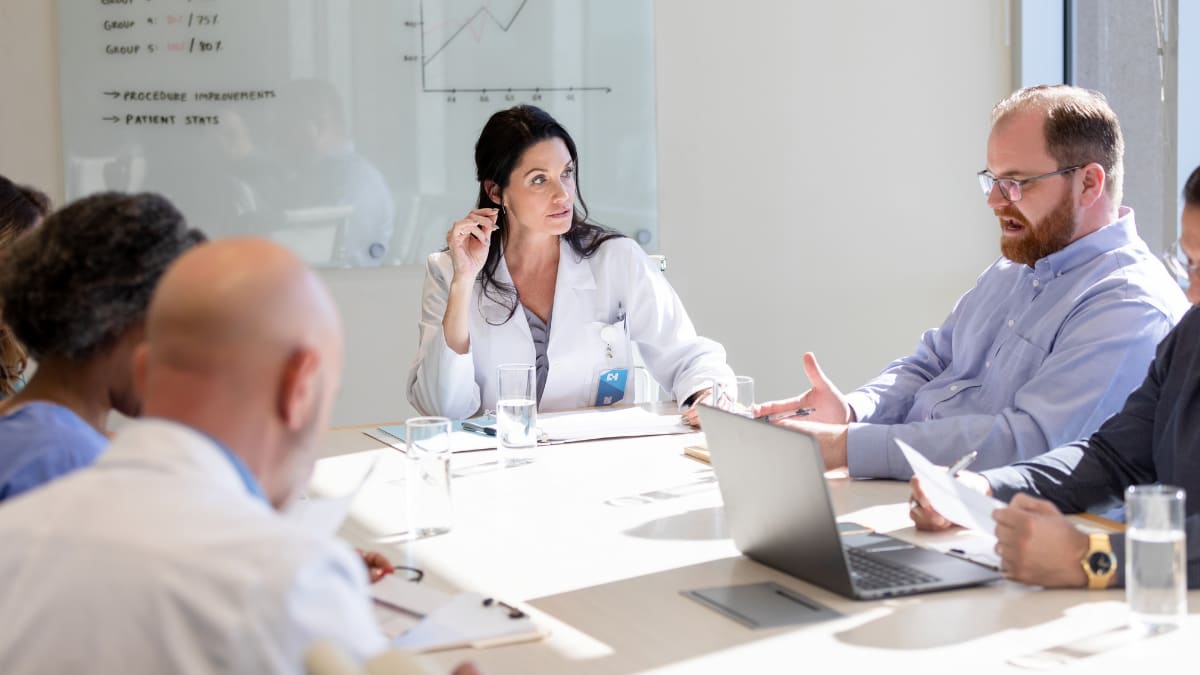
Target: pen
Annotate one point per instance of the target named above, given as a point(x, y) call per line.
point(478, 428)
point(791, 413)
point(962, 463)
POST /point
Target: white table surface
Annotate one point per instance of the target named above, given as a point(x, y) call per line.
point(600, 538)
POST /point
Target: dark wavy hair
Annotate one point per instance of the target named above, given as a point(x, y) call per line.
point(79, 282)
point(21, 208)
point(1191, 189)
point(504, 139)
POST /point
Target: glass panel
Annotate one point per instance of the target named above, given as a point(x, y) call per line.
point(347, 129)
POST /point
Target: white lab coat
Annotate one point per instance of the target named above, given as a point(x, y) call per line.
point(589, 295)
point(158, 560)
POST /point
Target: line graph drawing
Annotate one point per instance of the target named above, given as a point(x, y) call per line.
point(448, 31)
point(469, 23)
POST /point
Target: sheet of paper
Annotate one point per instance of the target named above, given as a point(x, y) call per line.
point(956, 502)
point(400, 604)
point(609, 423)
point(413, 597)
point(318, 513)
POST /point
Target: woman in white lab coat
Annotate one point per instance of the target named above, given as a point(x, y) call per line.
point(526, 279)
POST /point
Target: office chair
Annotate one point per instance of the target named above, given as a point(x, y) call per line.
point(645, 388)
point(315, 234)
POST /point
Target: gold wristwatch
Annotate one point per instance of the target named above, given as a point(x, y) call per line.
point(1099, 563)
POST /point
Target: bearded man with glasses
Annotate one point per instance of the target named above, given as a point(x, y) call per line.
point(1054, 335)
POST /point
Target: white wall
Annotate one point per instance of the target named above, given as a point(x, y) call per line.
point(816, 181)
point(816, 173)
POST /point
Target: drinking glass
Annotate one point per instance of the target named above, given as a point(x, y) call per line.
point(1155, 545)
point(427, 476)
point(736, 395)
point(516, 413)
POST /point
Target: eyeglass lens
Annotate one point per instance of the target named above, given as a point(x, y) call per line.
point(1009, 189)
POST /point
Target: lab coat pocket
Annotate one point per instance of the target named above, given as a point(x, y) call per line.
point(611, 342)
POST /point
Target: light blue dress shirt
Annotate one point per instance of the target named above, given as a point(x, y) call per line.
point(1030, 358)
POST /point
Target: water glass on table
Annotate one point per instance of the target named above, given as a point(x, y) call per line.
point(516, 413)
point(736, 395)
point(1155, 554)
point(427, 476)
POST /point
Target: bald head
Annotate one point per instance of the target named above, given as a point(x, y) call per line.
point(244, 343)
point(235, 300)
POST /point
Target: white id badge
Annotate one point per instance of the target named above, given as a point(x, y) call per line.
point(612, 380)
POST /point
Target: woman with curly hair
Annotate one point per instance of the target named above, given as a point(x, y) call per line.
point(21, 209)
point(75, 292)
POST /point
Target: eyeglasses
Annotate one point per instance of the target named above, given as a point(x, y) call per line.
point(1180, 265)
point(1010, 188)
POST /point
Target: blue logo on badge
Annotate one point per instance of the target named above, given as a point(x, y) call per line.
point(611, 388)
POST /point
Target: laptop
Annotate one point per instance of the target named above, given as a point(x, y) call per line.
point(778, 509)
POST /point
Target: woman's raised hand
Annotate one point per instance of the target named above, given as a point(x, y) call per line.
point(469, 240)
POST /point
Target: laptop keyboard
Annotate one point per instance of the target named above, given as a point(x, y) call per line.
point(871, 573)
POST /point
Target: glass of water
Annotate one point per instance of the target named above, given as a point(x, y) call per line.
point(516, 413)
point(735, 395)
point(1156, 574)
point(427, 476)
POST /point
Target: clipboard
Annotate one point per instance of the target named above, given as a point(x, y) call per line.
point(419, 618)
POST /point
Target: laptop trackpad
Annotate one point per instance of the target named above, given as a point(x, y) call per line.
point(928, 561)
point(899, 552)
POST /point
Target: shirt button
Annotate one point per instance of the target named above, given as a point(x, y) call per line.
point(987, 364)
point(954, 387)
point(1010, 323)
point(1036, 283)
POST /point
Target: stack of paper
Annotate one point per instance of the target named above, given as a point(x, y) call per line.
point(564, 427)
point(608, 423)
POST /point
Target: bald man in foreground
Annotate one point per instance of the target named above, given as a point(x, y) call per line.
point(168, 555)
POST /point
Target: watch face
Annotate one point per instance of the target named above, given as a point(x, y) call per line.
point(1100, 562)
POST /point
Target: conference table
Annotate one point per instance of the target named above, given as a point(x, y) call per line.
point(598, 541)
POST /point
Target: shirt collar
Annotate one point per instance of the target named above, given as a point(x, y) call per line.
point(1115, 235)
point(248, 479)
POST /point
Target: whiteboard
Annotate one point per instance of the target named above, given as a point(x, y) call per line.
point(346, 128)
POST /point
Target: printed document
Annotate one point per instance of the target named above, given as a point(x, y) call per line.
point(956, 502)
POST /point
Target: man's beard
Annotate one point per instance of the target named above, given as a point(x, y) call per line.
point(1051, 235)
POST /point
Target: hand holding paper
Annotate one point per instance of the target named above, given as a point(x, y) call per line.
point(956, 502)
